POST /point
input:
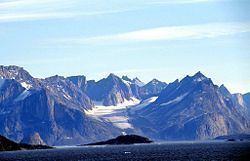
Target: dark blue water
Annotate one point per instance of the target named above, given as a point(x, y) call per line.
point(169, 151)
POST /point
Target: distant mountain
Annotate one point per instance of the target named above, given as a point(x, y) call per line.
point(109, 91)
point(193, 109)
point(135, 81)
point(135, 85)
point(153, 88)
point(62, 111)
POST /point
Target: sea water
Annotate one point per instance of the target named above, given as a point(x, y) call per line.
point(231, 151)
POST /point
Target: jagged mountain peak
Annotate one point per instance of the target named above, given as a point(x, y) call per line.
point(176, 81)
point(136, 78)
point(224, 91)
point(222, 86)
point(20, 75)
point(112, 75)
point(138, 82)
point(126, 78)
point(14, 72)
point(199, 74)
point(79, 81)
point(55, 77)
point(155, 81)
point(111, 90)
point(197, 78)
point(11, 67)
point(135, 81)
point(152, 88)
point(197, 83)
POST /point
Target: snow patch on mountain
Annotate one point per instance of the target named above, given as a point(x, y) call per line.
point(176, 100)
point(127, 83)
point(22, 96)
point(26, 85)
point(143, 104)
point(117, 115)
point(199, 79)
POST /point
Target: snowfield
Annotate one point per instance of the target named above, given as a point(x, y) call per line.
point(114, 114)
point(118, 115)
point(176, 100)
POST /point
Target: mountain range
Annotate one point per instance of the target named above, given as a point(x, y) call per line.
point(70, 110)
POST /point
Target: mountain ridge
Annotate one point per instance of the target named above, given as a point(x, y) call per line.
point(54, 108)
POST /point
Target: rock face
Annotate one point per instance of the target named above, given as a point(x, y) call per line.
point(110, 91)
point(33, 139)
point(124, 139)
point(79, 81)
point(193, 109)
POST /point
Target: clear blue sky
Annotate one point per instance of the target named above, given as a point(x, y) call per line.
point(164, 39)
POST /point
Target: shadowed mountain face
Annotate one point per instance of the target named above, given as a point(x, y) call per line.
point(192, 109)
point(60, 111)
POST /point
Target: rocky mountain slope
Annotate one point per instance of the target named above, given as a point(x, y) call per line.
point(193, 109)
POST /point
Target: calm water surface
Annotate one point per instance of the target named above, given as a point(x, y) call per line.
point(165, 151)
